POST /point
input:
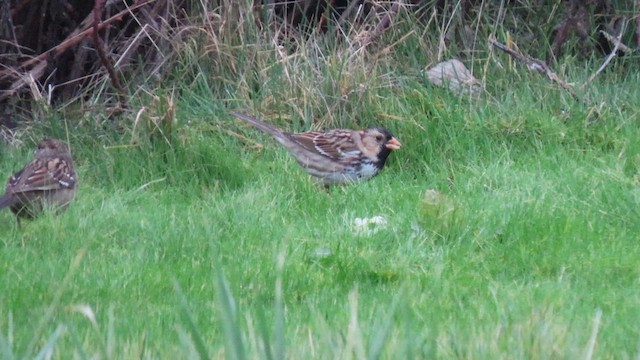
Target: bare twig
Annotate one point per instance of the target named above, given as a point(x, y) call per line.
point(383, 24)
point(616, 40)
point(638, 24)
point(347, 12)
point(617, 45)
point(323, 18)
point(24, 80)
point(386, 20)
point(148, 26)
point(537, 65)
point(102, 54)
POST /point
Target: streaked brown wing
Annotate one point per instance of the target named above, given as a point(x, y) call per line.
point(334, 144)
point(40, 174)
point(14, 180)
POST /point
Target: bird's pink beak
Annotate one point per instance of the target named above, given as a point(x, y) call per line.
point(393, 144)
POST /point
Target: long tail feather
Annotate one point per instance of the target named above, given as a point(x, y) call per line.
point(259, 124)
point(7, 200)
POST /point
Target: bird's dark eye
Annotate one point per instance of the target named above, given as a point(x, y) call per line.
point(379, 137)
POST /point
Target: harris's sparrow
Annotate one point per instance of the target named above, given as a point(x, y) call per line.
point(335, 156)
point(47, 182)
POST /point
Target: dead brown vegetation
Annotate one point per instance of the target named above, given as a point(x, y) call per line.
point(71, 49)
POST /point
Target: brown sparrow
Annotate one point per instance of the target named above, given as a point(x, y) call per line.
point(335, 156)
point(47, 182)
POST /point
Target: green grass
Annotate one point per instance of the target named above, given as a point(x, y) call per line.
point(216, 244)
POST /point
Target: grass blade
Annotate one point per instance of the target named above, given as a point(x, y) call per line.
point(190, 324)
point(264, 334)
point(47, 350)
point(111, 334)
point(380, 337)
point(354, 342)
point(230, 327)
point(594, 335)
point(279, 310)
point(143, 346)
point(5, 348)
point(80, 353)
point(56, 301)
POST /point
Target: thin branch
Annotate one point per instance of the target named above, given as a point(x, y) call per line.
point(537, 65)
point(386, 20)
point(617, 45)
point(347, 12)
point(25, 79)
point(384, 24)
point(638, 24)
point(102, 54)
point(616, 40)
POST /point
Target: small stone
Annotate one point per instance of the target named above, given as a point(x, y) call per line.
point(455, 76)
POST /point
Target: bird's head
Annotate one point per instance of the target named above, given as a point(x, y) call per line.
point(380, 140)
point(51, 147)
